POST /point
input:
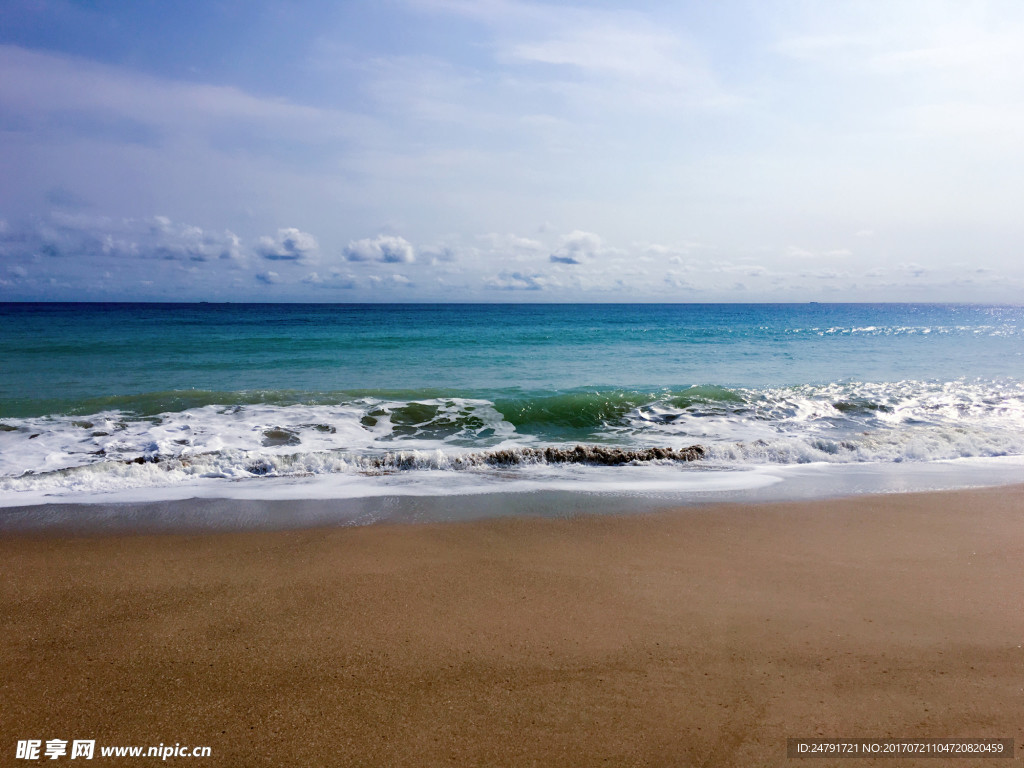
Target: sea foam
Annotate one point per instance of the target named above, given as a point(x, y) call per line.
point(368, 436)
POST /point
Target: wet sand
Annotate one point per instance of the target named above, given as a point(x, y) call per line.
point(700, 636)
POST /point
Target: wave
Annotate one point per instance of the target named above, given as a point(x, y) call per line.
point(168, 437)
point(157, 470)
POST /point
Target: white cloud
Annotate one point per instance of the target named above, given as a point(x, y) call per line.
point(82, 236)
point(517, 281)
point(628, 50)
point(388, 249)
point(576, 247)
point(510, 243)
point(289, 245)
point(612, 59)
point(674, 253)
point(389, 281)
point(335, 280)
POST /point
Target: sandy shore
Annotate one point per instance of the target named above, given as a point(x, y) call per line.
point(701, 636)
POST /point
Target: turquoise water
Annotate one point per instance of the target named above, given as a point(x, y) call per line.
point(62, 356)
point(100, 397)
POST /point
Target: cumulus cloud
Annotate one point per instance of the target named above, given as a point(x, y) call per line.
point(576, 247)
point(517, 281)
point(389, 249)
point(80, 236)
point(394, 281)
point(334, 280)
point(269, 277)
point(290, 244)
point(184, 242)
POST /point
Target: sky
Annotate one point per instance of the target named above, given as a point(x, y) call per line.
point(500, 150)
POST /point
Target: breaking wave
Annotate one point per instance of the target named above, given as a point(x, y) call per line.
point(173, 437)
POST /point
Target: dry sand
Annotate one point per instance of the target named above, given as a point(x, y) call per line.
point(701, 636)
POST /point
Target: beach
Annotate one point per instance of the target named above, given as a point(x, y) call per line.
point(692, 636)
point(511, 383)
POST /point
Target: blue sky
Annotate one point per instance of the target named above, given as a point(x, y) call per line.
point(497, 150)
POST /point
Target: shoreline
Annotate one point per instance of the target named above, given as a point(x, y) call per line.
point(281, 504)
point(703, 635)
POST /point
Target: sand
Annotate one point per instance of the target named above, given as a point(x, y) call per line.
point(702, 636)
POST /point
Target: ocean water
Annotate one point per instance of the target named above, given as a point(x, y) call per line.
point(153, 401)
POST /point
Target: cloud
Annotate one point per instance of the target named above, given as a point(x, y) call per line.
point(289, 245)
point(795, 252)
point(510, 243)
point(674, 253)
point(441, 254)
point(268, 278)
point(185, 242)
point(676, 281)
point(388, 249)
point(591, 53)
point(83, 237)
point(825, 274)
point(633, 51)
point(517, 281)
point(390, 281)
point(335, 280)
point(576, 247)
point(70, 94)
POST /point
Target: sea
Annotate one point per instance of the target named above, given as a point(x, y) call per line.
point(123, 403)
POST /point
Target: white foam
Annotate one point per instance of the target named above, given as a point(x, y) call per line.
point(653, 478)
point(372, 446)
